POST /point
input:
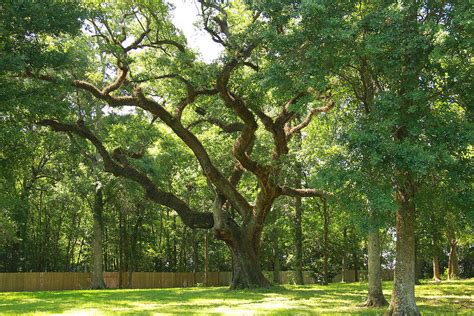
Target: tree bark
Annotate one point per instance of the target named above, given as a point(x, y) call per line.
point(436, 253)
point(98, 266)
point(174, 253)
point(453, 265)
point(298, 243)
point(195, 251)
point(326, 242)
point(276, 258)
point(247, 273)
point(356, 265)
point(403, 296)
point(418, 263)
point(436, 273)
point(343, 263)
point(375, 296)
point(134, 238)
point(206, 259)
point(298, 219)
point(121, 248)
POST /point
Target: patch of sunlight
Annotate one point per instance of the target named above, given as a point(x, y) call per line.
point(228, 310)
point(204, 301)
point(80, 312)
point(450, 297)
point(272, 305)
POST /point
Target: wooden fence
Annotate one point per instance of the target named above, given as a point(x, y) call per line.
point(53, 281)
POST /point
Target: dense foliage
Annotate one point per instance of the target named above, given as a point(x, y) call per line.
point(320, 124)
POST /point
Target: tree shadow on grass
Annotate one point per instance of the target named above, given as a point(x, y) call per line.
point(301, 300)
point(284, 300)
point(162, 300)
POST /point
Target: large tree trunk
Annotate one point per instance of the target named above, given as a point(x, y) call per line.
point(98, 267)
point(453, 265)
point(246, 266)
point(403, 296)
point(375, 297)
point(243, 241)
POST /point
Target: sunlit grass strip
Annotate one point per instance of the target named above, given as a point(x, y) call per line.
point(446, 298)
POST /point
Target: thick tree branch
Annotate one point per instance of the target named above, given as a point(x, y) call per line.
point(211, 172)
point(303, 192)
point(119, 166)
point(117, 83)
point(226, 127)
point(87, 86)
point(234, 102)
point(186, 136)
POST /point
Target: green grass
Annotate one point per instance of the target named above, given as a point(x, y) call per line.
point(454, 297)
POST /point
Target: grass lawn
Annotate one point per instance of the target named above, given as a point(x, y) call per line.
point(449, 297)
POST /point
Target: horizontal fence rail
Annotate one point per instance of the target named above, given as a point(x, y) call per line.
point(54, 281)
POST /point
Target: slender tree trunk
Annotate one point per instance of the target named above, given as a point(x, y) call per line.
point(276, 257)
point(81, 247)
point(68, 251)
point(98, 266)
point(436, 273)
point(121, 241)
point(106, 250)
point(195, 251)
point(326, 242)
point(195, 255)
point(298, 243)
point(134, 245)
point(174, 250)
point(436, 252)
point(206, 259)
point(453, 265)
point(182, 251)
point(356, 265)
point(403, 296)
point(126, 249)
point(375, 297)
point(344, 247)
point(298, 220)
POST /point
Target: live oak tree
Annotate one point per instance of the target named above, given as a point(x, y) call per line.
point(219, 143)
point(146, 56)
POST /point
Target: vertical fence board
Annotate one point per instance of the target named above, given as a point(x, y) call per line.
point(32, 281)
